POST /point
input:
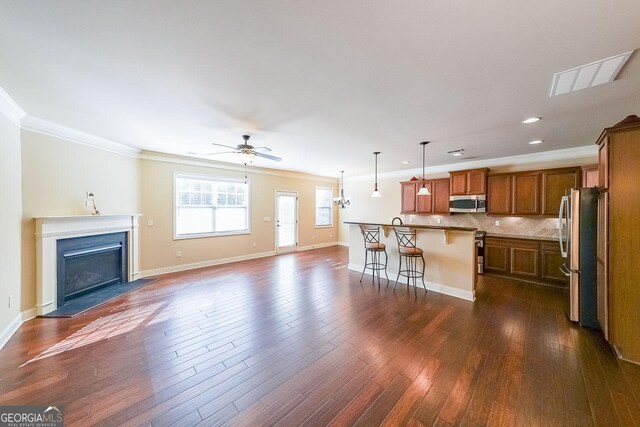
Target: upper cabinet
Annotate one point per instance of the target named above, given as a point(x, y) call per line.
point(436, 203)
point(555, 183)
point(530, 193)
point(468, 182)
point(590, 176)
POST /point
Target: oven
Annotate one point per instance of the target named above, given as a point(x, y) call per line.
point(479, 238)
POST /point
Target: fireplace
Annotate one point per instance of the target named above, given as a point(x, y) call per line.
point(89, 263)
point(100, 251)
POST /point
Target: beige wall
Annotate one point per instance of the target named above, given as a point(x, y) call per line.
point(56, 175)
point(10, 217)
point(158, 252)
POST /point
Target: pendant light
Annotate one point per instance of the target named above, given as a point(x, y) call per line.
point(376, 193)
point(424, 191)
point(341, 201)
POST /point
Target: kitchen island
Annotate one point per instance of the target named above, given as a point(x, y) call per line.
point(449, 253)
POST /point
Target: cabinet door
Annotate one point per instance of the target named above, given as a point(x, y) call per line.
point(526, 194)
point(476, 181)
point(408, 191)
point(603, 163)
point(458, 181)
point(499, 194)
point(555, 183)
point(524, 260)
point(496, 257)
point(590, 176)
point(424, 203)
point(441, 196)
point(551, 262)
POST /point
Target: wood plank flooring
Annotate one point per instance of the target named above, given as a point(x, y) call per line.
point(297, 340)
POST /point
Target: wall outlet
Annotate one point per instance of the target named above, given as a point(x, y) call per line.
point(313, 237)
point(150, 222)
point(178, 254)
point(10, 300)
point(558, 225)
point(330, 235)
point(254, 244)
point(496, 223)
point(266, 219)
point(410, 219)
point(438, 220)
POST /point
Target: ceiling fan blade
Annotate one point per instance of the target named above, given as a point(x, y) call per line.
point(212, 154)
point(268, 156)
point(261, 149)
point(222, 145)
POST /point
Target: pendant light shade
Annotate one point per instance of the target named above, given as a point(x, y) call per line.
point(424, 191)
point(376, 193)
point(341, 201)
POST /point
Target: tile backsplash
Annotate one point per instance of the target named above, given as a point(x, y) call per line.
point(521, 226)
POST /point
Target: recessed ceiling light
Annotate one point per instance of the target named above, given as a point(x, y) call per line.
point(406, 162)
point(536, 141)
point(530, 120)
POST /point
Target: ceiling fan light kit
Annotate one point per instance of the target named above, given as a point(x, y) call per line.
point(246, 152)
point(342, 201)
point(424, 191)
point(376, 193)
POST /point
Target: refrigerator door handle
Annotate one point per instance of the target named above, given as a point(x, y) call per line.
point(563, 208)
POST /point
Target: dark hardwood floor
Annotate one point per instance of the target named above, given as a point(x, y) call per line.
point(297, 340)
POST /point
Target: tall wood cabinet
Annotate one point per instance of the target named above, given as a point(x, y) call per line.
point(618, 251)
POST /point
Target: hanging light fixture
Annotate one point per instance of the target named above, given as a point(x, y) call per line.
point(376, 193)
point(424, 191)
point(341, 201)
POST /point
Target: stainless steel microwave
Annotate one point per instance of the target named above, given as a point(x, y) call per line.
point(468, 203)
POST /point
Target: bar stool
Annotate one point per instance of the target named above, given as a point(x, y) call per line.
point(373, 246)
point(407, 249)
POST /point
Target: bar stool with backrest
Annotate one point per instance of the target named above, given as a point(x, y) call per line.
point(408, 250)
point(373, 247)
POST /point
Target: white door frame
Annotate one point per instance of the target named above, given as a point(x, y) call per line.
point(294, 247)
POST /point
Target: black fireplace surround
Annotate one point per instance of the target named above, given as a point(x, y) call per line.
point(90, 263)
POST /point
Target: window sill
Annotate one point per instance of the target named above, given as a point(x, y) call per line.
point(205, 235)
point(324, 226)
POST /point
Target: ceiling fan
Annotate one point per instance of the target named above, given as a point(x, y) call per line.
point(246, 151)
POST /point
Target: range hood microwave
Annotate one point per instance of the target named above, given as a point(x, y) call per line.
point(468, 203)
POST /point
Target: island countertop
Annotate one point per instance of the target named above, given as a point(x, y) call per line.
point(411, 225)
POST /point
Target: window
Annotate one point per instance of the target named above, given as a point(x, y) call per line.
point(324, 207)
point(210, 206)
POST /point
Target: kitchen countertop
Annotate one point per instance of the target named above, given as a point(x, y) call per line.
point(512, 236)
point(420, 226)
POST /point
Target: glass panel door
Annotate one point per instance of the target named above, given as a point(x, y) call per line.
point(286, 221)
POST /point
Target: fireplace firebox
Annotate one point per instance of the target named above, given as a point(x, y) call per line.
point(89, 263)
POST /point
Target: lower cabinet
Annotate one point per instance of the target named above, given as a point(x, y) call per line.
point(526, 259)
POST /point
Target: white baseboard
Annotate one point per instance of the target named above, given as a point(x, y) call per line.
point(432, 286)
point(343, 243)
point(15, 324)
point(318, 246)
point(201, 264)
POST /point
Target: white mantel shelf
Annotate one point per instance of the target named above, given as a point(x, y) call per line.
point(50, 229)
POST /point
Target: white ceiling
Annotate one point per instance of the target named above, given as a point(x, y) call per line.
point(323, 83)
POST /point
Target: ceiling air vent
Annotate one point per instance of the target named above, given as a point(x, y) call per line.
point(594, 74)
point(459, 152)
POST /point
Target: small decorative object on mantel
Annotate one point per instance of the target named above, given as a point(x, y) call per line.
point(342, 201)
point(91, 202)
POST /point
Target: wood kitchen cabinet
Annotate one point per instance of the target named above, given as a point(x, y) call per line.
point(618, 253)
point(526, 259)
point(514, 194)
point(468, 182)
point(437, 203)
point(555, 182)
point(530, 193)
point(590, 176)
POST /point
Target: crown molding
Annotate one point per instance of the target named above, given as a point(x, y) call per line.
point(45, 127)
point(10, 109)
point(189, 161)
point(576, 153)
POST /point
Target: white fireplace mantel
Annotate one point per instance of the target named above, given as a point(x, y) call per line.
point(53, 228)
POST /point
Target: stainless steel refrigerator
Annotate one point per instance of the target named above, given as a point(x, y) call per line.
point(577, 232)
